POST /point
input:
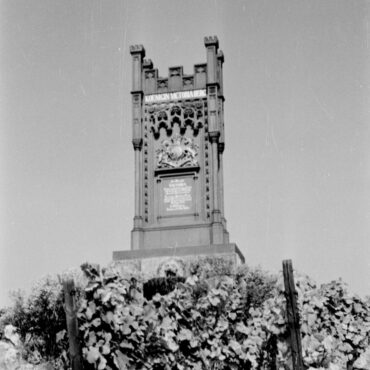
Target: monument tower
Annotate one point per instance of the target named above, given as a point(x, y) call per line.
point(178, 140)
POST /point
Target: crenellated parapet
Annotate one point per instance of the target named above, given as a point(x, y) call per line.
point(176, 80)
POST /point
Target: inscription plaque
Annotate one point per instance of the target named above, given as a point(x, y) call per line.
point(177, 196)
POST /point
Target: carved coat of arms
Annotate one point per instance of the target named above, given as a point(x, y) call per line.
point(179, 151)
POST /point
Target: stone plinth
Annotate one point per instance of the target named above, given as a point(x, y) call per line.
point(158, 261)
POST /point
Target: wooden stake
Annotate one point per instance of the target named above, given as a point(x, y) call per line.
point(72, 324)
point(293, 316)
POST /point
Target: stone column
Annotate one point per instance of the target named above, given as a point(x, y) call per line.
point(211, 44)
point(213, 137)
point(221, 142)
point(137, 53)
point(221, 147)
point(138, 170)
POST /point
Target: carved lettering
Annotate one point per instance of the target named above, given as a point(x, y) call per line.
point(177, 195)
point(178, 95)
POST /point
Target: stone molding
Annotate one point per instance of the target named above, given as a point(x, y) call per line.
point(200, 250)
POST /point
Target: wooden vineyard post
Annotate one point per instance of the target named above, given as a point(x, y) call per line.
point(72, 325)
point(293, 316)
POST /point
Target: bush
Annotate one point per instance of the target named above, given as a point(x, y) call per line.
point(40, 322)
point(38, 319)
point(218, 318)
point(256, 286)
point(335, 325)
point(229, 320)
point(180, 330)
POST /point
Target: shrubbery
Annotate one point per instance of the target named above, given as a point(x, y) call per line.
point(40, 321)
point(218, 318)
point(212, 323)
point(335, 325)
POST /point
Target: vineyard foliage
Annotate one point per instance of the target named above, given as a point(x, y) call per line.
point(335, 325)
point(196, 326)
point(217, 318)
point(220, 322)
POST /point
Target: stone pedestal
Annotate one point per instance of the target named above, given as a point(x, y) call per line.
point(158, 261)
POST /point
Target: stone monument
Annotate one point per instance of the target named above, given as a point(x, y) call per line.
point(178, 139)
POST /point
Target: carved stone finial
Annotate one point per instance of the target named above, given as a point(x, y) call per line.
point(211, 40)
point(221, 147)
point(147, 63)
point(137, 49)
point(214, 136)
point(220, 56)
point(137, 144)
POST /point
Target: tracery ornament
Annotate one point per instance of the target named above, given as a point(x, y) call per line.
point(178, 151)
point(185, 115)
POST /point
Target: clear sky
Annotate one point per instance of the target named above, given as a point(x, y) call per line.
point(297, 157)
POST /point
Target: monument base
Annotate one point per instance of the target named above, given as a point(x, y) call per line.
point(158, 261)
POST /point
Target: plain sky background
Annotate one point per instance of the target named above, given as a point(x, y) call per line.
point(297, 157)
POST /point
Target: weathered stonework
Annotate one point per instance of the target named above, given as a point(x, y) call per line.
point(178, 139)
point(157, 261)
